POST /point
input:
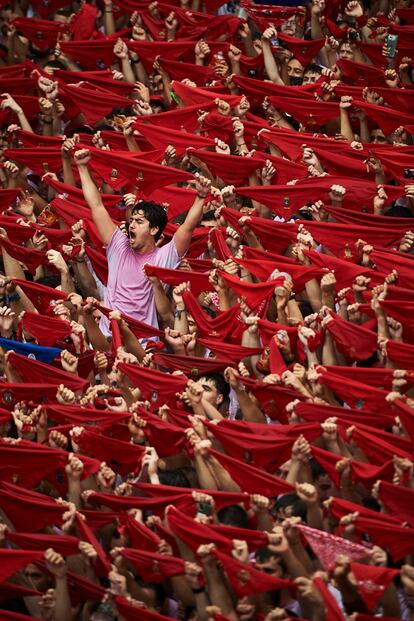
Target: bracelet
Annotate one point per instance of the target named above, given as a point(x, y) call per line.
point(108, 11)
point(199, 590)
point(80, 260)
point(201, 196)
point(178, 313)
point(14, 297)
point(47, 122)
point(135, 62)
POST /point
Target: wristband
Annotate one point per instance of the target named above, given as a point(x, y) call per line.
point(14, 297)
point(199, 590)
point(201, 196)
point(108, 11)
point(47, 122)
point(135, 62)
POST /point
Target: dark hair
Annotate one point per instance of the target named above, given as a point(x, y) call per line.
point(175, 478)
point(56, 64)
point(292, 500)
point(314, 68)
point(154, 213)
point(317, 470)
point(233, 516)
point(221, 385)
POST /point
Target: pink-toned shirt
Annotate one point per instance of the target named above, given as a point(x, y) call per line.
point(128, 289)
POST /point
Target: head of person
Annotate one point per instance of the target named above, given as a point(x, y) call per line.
point(345, 51)
point(378, 136)
point(269, 562)
point(289, 505)
point(233, 515)
point(52, 66)
point(215, 389)
point(322, 482)
point(295, 72)
point(288, 26)
point(312, 74)
point(146, 224)
point(36, 578)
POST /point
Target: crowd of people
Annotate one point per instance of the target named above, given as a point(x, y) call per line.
point(206, 338)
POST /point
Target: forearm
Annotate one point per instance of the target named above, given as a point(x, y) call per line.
point(219, 596)
point(163, 305)
point(66, 281)
point(314, 516)
point(12, 268)
point(294, 566)
point(313, 292)
point(63, 608)
point(68, 176)
point(90, 191)
point(250, 411)
point(109, 22)
point(271, 67)
point(223, 478)
point(85, 279)
point(132, 344)
point(328, 351)
point(194, 214)
point(127, 71)
point(205, 476)
point(316, 29)
point(24, 123)
point(211, 412)
point(96, 337)
point(180, 320)
point(74, 492)
point(346, 129)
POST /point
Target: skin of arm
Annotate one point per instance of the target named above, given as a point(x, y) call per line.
point(101, 217)
point(162, 303)
point(219, 596)
point(271, 67)
point(109, 22)
point(224, 479)
point(184, 233)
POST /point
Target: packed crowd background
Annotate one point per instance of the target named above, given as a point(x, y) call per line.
point(206, 310)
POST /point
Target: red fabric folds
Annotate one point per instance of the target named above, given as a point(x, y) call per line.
point(328, 547)
point(372, 582)
point(199, 282)
point(33, 370)
point(220, 327)
point(123, 457)
point(354, 341)
point(251, 479)
point(154, 567)
point(245, 580)
point(194, 534)
point(12, 560)
point(46, 330)
point(94, 103)
point(152, 383)
point(193, 366)
point(40, 295)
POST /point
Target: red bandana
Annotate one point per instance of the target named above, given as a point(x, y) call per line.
point(328, 547)
point(245, 580)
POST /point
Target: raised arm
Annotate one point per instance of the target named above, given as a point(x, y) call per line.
point(101, 217)
point(194, 215)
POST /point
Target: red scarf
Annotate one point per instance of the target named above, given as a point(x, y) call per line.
point(251, 479)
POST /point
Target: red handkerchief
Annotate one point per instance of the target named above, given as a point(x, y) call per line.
point(328, 547)
point(245, 580)
point(372, 582)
